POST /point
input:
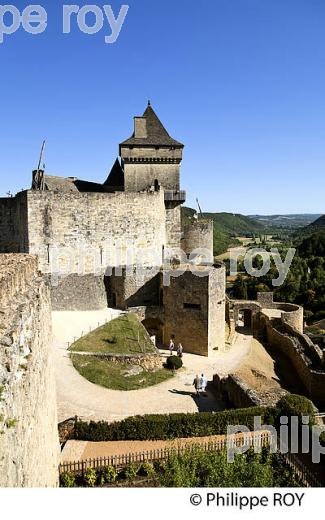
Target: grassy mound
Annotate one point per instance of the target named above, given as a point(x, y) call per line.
point(124, 335)
point(117, 376)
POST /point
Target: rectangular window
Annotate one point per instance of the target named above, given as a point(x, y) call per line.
point(196, 306)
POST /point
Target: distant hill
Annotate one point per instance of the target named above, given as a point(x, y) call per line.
point(317, 225)
point(227, 226)
point(314, 227)
point(235, 224)
point(286, 221)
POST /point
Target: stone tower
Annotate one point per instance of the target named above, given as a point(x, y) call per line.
point(151, 160)
point(151, 157)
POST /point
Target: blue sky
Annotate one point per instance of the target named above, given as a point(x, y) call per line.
point(240, 82)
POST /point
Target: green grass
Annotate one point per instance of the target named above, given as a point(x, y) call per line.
point(124, 335)
point(112, 375)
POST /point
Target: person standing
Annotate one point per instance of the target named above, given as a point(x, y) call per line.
point(196, 384)
point(171, 347)
point(180, 350)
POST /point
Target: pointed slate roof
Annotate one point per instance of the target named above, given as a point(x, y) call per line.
point(157, 134)
point(116, 175)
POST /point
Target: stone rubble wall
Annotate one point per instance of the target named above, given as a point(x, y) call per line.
point(306, 358)
point(236, 391)
point(29, 445)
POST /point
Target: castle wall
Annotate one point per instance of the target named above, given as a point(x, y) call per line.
point(13, 224)
point(29, 444)
point(217, 308)
point(173, 225)
point(133, 287)
point(78, 235)
point(78, 293)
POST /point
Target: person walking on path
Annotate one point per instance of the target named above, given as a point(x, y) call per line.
point(196, 384)
point(203, 383)
point(180, 350)
point(171, 347)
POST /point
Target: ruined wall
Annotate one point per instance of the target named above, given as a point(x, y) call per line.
point(29, 446)
point(307, 360)
point(194, 309)
point(199, 235)
point(13, 224)
point(237, 392)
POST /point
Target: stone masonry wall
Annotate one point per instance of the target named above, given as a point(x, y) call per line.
point(13, 224)
point(29, 445)
point(304, 359)
point(173, 225)
point(199, 235)
point(79, 235)
point(142, 166)
point(87, 232)
point(194, 309)
point(217, 308)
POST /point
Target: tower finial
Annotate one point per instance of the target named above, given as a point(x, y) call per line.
point(149, 103)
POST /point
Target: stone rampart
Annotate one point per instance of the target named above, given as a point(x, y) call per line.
point(29, 445)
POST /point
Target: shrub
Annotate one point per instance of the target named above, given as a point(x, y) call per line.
point(130, 471)
point(171, 426)
point(174, 362)
point(110, 474)
point(199, 468)
point(67, 480)
point(296, 405)
point(147, 469)
point(90, 477)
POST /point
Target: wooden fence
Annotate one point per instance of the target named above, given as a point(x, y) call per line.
point(252, 439)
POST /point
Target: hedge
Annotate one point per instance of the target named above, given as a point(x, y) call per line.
point(171, 426)
point(296, 405)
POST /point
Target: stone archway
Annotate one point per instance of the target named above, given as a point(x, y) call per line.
point(245, 314)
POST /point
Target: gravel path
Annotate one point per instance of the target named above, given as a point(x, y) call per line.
point(77, 396)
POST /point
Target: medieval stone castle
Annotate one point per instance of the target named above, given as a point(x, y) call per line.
point(69, 244)
point(108, 244)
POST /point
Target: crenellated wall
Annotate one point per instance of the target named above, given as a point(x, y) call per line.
point(29, 445)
